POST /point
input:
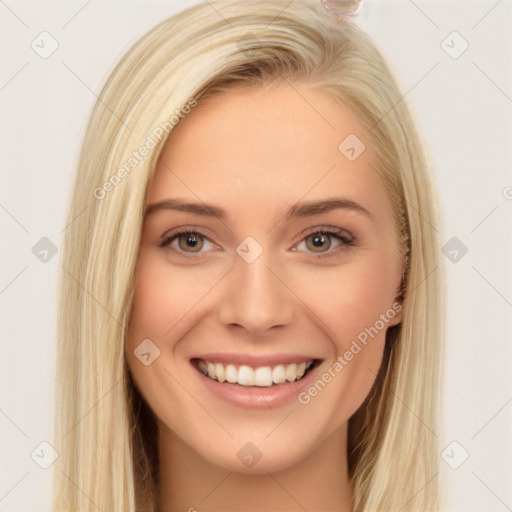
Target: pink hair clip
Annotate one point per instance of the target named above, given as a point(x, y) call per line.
point(342, 7)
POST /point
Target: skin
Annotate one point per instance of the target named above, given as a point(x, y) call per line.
point(256, 153)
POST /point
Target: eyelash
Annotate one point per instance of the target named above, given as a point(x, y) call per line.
point(346, 239)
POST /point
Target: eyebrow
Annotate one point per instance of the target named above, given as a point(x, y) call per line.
point(304, 209)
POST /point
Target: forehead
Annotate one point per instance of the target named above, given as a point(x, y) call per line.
point(251, 147)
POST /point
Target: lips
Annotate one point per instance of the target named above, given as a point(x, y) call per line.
point(262, 393)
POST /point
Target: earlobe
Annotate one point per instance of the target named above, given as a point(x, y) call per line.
point(397, 305)
point(397, 308)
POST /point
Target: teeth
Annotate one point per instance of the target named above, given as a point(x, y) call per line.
point(279, 374)
point(246, 376)
point(231, 373)
point(220, 372)
point(263, 376)
point(291, 372)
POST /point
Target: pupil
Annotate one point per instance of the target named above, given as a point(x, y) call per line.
point(318, 240)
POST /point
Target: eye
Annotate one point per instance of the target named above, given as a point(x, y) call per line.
point(187, 241)
point(322, 240)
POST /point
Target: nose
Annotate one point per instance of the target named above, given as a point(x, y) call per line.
point(256, 297)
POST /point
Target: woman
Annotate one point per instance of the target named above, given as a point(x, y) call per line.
point(250, 307)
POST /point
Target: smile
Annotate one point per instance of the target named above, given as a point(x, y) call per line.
point(262, 376)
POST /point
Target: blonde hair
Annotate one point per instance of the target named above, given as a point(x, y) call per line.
point(104, 432)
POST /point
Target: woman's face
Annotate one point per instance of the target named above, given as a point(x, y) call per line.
point(292, 260)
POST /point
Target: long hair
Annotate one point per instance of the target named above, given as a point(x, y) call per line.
point(104, 431)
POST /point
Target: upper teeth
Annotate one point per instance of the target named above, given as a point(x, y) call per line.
point(247, 376)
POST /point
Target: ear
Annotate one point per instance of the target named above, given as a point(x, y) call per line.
point(397, 306)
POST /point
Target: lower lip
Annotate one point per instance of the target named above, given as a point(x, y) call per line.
point(253, 397)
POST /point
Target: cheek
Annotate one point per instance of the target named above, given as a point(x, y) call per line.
point(354, 303)
point(164, 298)
point(155, 306)
point(352, 297)
point(162, 311)
point(147, 321)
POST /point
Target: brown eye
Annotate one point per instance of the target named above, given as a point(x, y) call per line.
point(318, 242)
point(190, 242)
point(326, 241)
point(187, 242)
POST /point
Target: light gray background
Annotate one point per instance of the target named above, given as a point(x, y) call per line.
point(464, 108)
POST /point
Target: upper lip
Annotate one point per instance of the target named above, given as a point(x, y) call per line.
point(255, 361)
